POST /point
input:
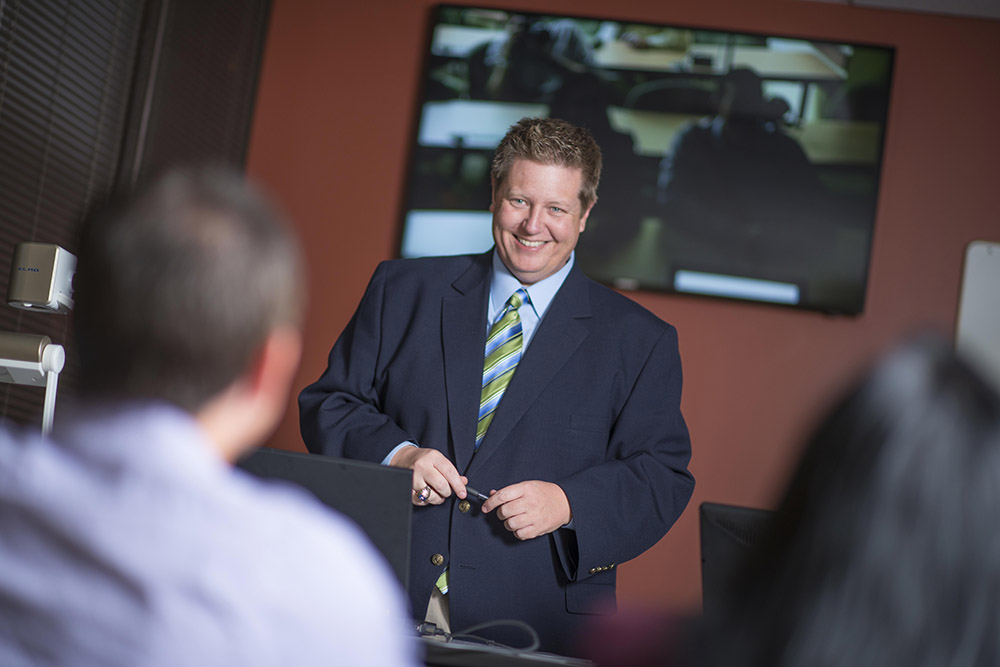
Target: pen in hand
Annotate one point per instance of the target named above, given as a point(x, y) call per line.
point(472, 492)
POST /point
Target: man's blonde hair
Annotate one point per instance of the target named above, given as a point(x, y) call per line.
point(551, 141)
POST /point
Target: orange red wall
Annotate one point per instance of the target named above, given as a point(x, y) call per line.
point(334, 115)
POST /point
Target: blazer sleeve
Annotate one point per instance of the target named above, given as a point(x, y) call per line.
point(340, 414)
point(626, 504)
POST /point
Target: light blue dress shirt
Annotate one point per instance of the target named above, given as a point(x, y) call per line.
point(503, 284)
point(127, 541)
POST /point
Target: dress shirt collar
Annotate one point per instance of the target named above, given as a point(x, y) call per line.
point(503, 284)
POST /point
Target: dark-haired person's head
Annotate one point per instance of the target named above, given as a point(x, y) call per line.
point(884, 550)
point(187, 287)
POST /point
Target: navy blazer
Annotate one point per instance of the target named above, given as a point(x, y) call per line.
point(593, 406)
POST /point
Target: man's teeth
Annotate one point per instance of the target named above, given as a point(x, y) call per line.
point(531, 244)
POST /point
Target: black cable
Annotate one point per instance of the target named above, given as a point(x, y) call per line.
point(468, 633)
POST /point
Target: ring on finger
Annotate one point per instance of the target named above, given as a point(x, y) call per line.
point(424, 494)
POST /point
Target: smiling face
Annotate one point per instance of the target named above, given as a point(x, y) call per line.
point(537, 218)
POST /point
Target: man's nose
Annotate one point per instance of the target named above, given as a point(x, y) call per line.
point(532, 223)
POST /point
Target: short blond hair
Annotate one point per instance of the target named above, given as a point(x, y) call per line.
point(551, 141)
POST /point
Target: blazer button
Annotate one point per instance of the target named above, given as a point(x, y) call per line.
point(437, 559)
point(463, 506)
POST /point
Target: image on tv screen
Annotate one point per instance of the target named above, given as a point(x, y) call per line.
point(736, 165)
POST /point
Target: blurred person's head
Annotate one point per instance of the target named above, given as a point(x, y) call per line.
point(885, 548)
point(741, 97)
point(189, 290)
point(741, 94)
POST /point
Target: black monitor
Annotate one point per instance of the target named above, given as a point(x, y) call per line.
point(375, 497)
point(728, 533)
point(736, 165)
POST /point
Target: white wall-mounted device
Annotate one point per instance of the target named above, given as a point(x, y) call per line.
point(41, 278)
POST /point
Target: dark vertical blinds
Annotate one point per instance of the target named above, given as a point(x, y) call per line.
point(66, 68)
point(94, 95)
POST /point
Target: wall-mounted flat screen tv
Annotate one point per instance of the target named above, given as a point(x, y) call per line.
point(736, 165)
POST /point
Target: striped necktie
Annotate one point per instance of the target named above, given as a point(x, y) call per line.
point(503, 351)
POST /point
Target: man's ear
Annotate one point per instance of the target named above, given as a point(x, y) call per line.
point(586, 214)
point(267, 382)
point(270, 374)
point(247, 412)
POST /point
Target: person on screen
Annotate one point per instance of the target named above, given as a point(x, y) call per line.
point(534, 61)
point(128, 539)
point(736, 188)
point(884, 549)
point(583, 454)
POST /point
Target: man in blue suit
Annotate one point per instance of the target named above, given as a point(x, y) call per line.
point(584, 456)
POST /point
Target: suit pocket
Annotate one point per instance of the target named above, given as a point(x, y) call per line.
point(589, 423)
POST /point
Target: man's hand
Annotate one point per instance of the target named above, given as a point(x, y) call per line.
point(434, 476)
point(530, 509)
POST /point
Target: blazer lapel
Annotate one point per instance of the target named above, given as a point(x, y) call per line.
point(556, 339)
point(463, 327)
